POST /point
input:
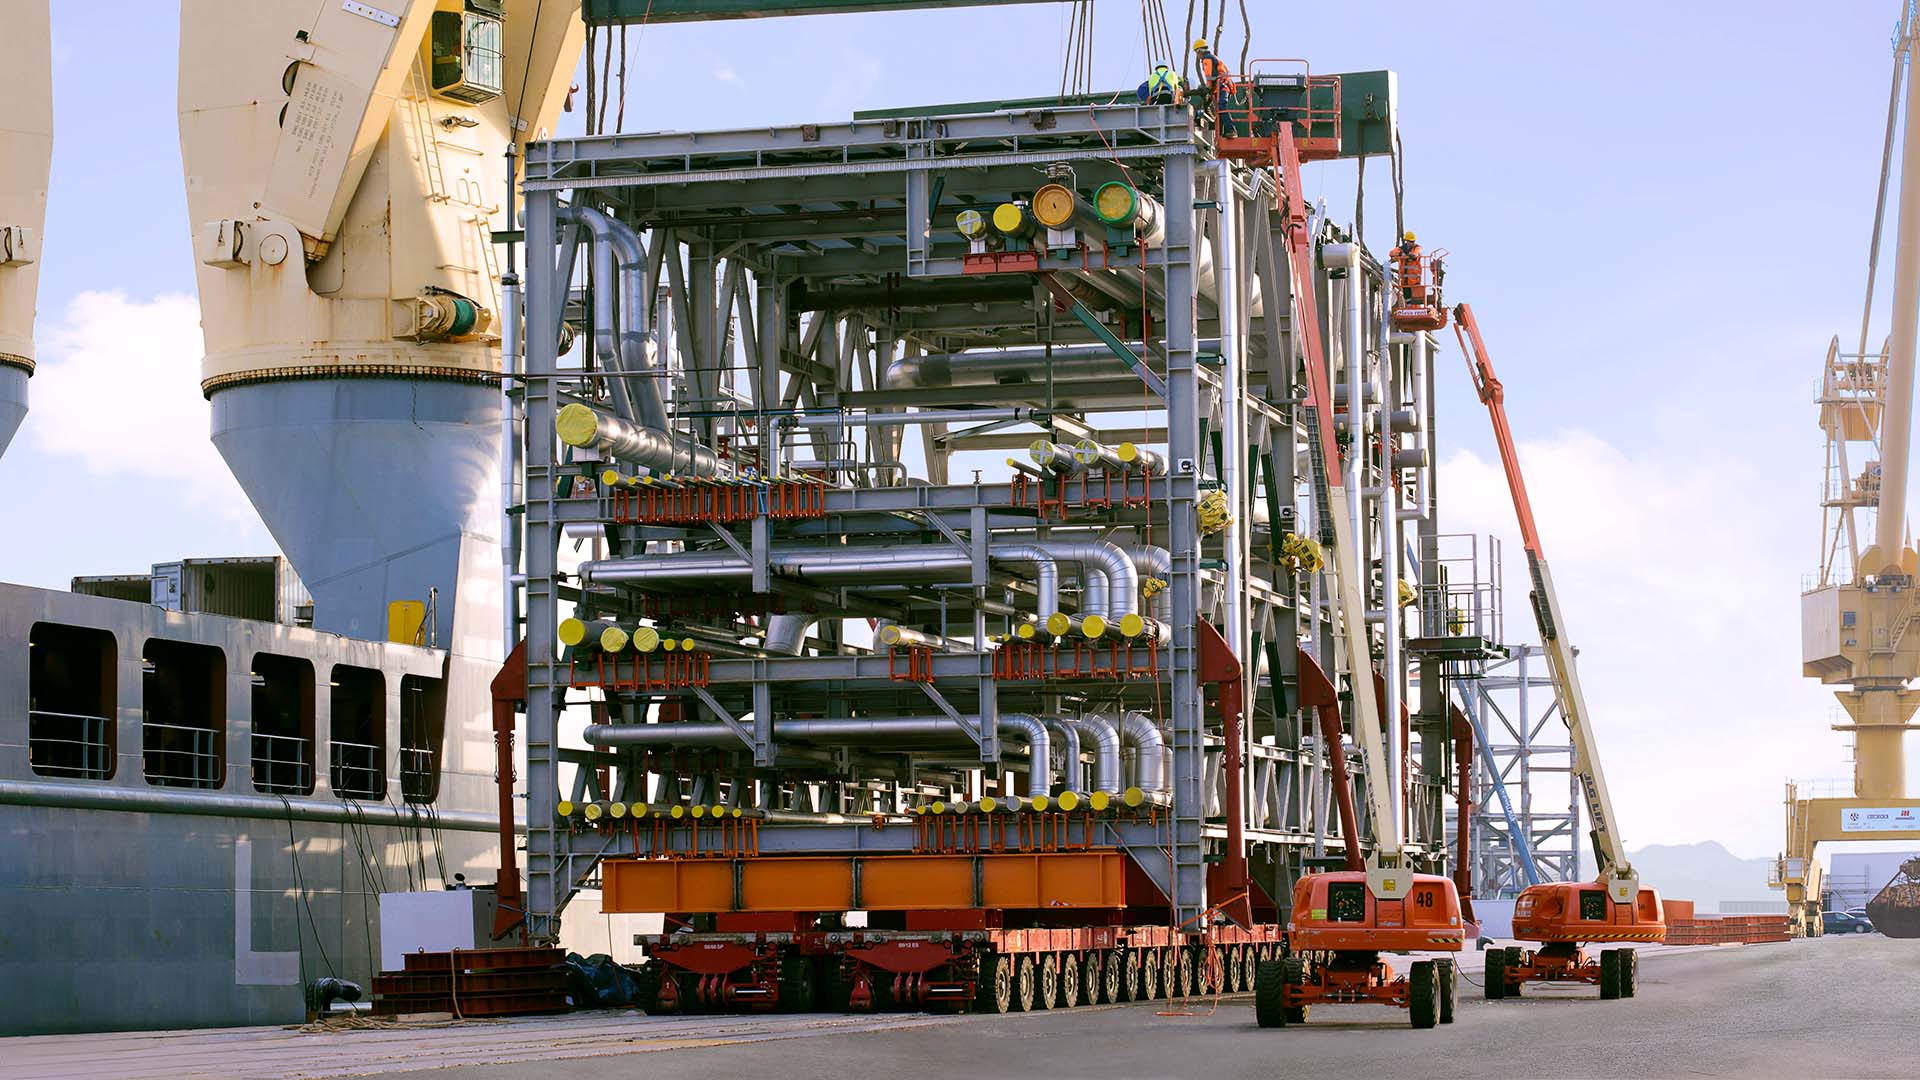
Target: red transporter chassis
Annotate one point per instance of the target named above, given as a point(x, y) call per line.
point(747, 963)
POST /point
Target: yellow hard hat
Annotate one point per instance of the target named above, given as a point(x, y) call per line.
point(1409, 237)
point(1199, 43)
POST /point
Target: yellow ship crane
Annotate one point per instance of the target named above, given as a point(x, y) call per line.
point(26, 153)
point(1856, 623)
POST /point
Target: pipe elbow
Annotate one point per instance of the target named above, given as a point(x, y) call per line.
point(1149, 750)
point(1039, 749)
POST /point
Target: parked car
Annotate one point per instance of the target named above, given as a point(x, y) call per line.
point(1844, 922)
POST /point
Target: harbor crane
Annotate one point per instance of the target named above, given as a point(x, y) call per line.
point(1561, 915)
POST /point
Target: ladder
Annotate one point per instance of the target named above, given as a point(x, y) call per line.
point(420, 114)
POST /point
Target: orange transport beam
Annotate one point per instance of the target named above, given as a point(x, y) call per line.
point(1037, 881)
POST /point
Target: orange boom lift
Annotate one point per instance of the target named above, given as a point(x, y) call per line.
point(1343, 920)
point(1562, 915)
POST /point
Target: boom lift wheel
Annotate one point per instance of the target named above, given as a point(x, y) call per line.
point(1496, 974)
point(1443, 972)
point(1516, 958)
point(1293, 972)
point(1629, 971)
point(996, 984)
point(1423, 995)
point(1269, 995)
point(1023, 984)
point(1046, 988)
point(1609, 974)
point(1069, 980)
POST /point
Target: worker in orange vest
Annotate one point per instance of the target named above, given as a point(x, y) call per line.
point(1208, 67)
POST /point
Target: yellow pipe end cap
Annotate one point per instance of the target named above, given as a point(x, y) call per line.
point(669, 644)
point(1133, 796)
point(1093, 626)
point(611, 477)
point(1132, 625)
point(1070, 800)
point(971, 223)
point(1041, 802)
point(565, 808)
point(1115, 202)
point(718, 811)
point(639, 809)
point(1058, 624)
point(936, 807)
point(576, 425)
point(613, 639)
point(1053, 205)
point(617, 810)
point(988, 804)
point(677, 812)
point(735, 812)
point(594, 811)
point(1009, 217)
point(572, 632)
point(1025, 631)
point(686, 644)
point(698, 811)
point(1127, 452)
point(1100, 800)
point(646, 639)
point(890, 634)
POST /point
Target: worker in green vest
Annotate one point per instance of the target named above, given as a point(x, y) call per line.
point(1161, 88)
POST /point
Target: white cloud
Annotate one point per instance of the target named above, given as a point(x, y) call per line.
point(1679, 574)
point(726, 74)
point(118, 393)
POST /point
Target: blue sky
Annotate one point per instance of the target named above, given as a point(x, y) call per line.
point(1659, 211)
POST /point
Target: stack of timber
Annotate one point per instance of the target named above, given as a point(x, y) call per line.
point(475, 982)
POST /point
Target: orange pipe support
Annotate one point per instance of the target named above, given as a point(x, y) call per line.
point(1317, 692)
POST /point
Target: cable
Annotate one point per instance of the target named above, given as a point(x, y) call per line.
point(300, 883)
point(1246, 42)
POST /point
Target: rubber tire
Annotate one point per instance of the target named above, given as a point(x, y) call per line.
point(647, 999)
point(1269, 995)
point(1423, 995)
point(1069, 981)
point(1046, 983)
point(1186, 976)
point(1516, 958)
point(1149, 975)
point(1293, 972)
point(1443, 972)
point(1024, 980)
point(1130, 974)
point(1101, 978)
point(1629, 972)
point(1609, 974)
point(1496, 974)
point(1249, 959)
point(996, 984)
point(796, 983)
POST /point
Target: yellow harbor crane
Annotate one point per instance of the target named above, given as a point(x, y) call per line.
point(1858, 631)
point(26, 152)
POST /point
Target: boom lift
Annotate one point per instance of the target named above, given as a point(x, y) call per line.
point(1343, 920)
point(1560, 915)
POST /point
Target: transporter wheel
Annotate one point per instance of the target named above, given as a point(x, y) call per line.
point(1269, 995)
point(1609, 974)
point(1293, 972)
point(646, 997)
point(1069, 981)
point(1100, 978)
point(1423, 995)
point(1180, 979)
point(1249, 959)
point(1131, 975)
point(1496, 974)
point(832, 992)
point(1629, 972)
point(1046, 988)
point(1230, 969)
point(796, 983)
point(1023, 984)
point(996, 984)
point(1443, 973)
point(1149, 974)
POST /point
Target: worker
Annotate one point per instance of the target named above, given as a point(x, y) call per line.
point(1209, 70)
point(1407, 265)
point(1161, 88)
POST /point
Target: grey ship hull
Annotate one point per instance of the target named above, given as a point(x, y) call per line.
point(126, 905)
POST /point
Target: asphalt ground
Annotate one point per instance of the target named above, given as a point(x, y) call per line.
point(1829, 1007)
